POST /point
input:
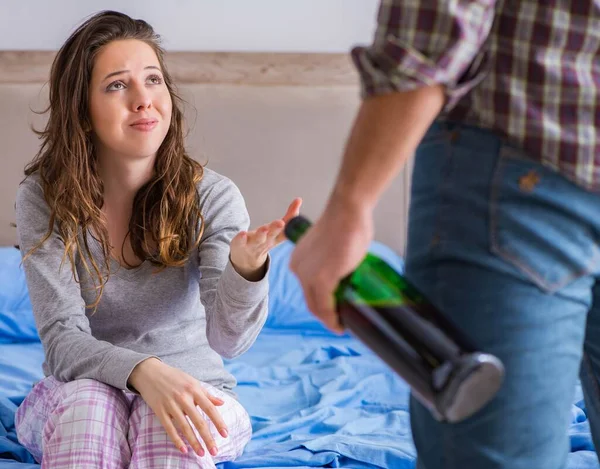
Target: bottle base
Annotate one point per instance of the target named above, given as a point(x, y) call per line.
point(474, 384)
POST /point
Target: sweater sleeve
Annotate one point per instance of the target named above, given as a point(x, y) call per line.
point(236, 309)
point(71, 352)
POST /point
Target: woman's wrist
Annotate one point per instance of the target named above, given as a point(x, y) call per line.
point(252, 273)
point(140, 370)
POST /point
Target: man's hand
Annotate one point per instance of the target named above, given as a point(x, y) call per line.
point(329, 251)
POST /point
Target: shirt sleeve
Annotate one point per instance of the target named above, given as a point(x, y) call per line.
point(71, 352)
point(236, 309)
point(427, 42)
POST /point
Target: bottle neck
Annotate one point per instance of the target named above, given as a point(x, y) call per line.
point(296, 228)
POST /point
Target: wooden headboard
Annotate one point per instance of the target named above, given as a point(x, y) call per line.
point(275, 124)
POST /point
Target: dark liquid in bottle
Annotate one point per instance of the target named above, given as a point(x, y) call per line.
point(397, 352)
point(412, 338)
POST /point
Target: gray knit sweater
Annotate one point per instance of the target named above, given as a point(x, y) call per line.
point(189, 317)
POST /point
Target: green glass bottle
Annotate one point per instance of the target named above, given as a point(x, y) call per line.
point(444, 369)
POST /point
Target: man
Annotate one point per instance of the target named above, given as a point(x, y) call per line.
point(498, 101)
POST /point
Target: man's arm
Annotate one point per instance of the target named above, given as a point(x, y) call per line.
point(385, 134)
point(425, 57)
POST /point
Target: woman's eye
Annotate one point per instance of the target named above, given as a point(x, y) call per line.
point(155, 79)
point(115, 86)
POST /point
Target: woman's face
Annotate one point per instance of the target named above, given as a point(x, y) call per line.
point(130, 105)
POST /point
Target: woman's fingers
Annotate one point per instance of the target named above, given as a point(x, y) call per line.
point(260, 241)
point(271, 230)
point(202, 426)
point(266, 237)
point(275, 228)
point(293, 209)
point(197, 420)
point(188, 432)
point(178, 420)
point(258, 237)
point(213, 414)
point(167, 424)
point(215, 400)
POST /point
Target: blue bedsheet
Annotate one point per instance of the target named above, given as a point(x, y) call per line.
point(315, 401)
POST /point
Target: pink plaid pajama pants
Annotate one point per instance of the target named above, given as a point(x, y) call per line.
point(86, 424)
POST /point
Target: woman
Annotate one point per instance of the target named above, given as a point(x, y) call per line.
point(140, 268)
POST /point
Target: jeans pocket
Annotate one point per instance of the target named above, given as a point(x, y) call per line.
point(537, 222)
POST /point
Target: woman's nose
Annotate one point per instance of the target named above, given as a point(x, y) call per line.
point(142, 100)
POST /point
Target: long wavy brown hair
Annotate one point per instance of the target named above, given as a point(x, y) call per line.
point(166, 223)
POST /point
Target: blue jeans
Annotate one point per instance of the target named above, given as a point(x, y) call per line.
point(510, 250)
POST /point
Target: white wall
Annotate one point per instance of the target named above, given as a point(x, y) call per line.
point(213, 25)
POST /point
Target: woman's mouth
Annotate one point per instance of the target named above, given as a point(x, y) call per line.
point(144, 125)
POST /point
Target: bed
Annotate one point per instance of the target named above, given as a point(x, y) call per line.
point(315, 399)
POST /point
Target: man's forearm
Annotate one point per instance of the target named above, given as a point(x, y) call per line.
point(386, 132)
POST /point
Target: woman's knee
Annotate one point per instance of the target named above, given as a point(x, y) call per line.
point(145, 425)
point(93, 399)
point(90, 389)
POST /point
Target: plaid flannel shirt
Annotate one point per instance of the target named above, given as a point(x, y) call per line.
point(527, 69)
